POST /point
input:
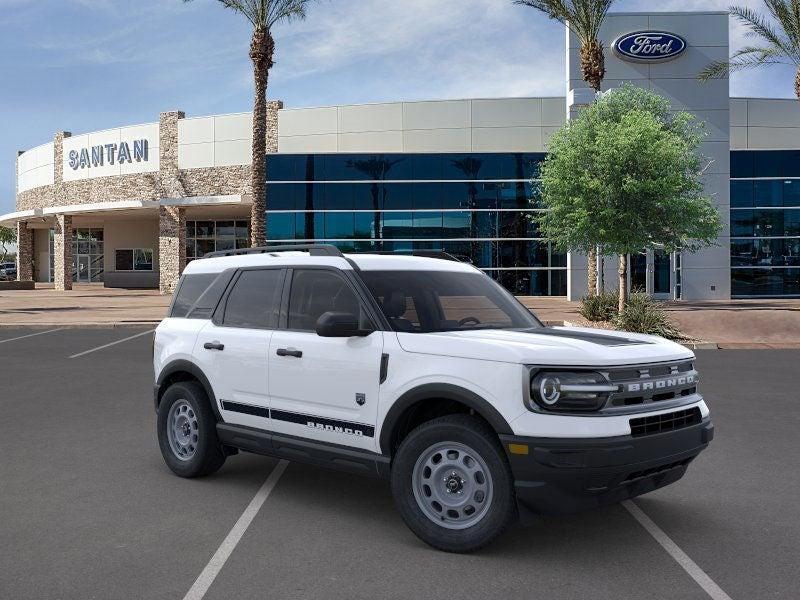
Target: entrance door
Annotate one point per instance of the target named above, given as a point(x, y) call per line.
point(651, 272)
point(83, 269)
point(662, 273)
point(638, 270)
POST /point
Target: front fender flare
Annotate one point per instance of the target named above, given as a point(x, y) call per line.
point(444, 391)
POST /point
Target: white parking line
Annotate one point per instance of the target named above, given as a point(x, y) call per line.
point(688, 565)
point(111, 344)
point(22, 337)
point(214, 566)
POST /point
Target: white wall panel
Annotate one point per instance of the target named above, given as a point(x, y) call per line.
point(554, 112)
point(738, 112)
point(773, 113)
point(766, 138)
point(307, 121)
point(298, 144)
point(507, 139)
point(739, 138)
point(233, 152)
point(443, 114)
point(437, 140)
point(195, 156)
point(233, 127)
point(507, 112)
point(196, 131)
point(371, 141)
point(709, 29)
point(370, 117)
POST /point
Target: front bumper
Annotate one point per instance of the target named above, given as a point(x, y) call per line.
point(562, 476)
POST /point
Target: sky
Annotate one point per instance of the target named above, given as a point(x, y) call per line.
point(86, 65)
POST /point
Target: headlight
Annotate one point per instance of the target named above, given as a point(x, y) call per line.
point(570, 391)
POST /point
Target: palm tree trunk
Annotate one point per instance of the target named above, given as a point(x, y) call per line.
point(593, 67)
point(623, 282)
point(797, 84)
point(592, 276)
point(262, 48)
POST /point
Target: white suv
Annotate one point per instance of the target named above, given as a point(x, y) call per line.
point(423, 371)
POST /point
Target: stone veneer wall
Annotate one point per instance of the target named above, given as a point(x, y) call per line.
point(24, 252)
point(62, 250)
point(169, 182)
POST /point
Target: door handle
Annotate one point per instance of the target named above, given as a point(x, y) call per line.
point(215, 345)
point(290, 352)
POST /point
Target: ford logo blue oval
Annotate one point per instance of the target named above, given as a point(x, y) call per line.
point(649, 46)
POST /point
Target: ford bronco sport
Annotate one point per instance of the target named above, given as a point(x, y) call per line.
point(423, 371)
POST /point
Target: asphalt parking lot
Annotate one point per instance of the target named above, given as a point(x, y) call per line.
point(89, 510)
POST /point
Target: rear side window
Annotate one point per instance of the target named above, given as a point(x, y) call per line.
point(254, 301)
point(192, 286)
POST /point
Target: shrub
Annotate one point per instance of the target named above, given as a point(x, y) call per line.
point(645, 315)
point(602, 307)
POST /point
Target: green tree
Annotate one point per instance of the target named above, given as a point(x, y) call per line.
point(778, 40)
point(626, 175)
point(263, 15)
point(584, 19)
point(8, 236)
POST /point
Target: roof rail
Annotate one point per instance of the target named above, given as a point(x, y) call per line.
point(312, 249)
point(441, 254)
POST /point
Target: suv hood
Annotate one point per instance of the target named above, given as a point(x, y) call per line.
point(562, 346)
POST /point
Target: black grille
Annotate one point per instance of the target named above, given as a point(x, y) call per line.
point(665, 422)
point(636, 475)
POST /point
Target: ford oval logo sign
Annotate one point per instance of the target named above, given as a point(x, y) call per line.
point(649, 46)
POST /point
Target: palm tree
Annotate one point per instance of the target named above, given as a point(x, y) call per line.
point(779, 41)
point(584, 19)
point(263, 15)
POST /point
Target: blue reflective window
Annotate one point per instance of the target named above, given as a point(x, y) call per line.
point(768, 163)
point(455, 195)
point(791, 192)
point(457, 224)
point(367, 225)
point(427, 225)
point(281, 167)
point(282, 196)
point(398, 225)
point(397, 196)
point(339, 225)
point(742, 194)
point(742, 164)
point(280, 226)
point(768, 193)
point(765, 282)
point(426, 166)
point(426, 195)
point(339, 196)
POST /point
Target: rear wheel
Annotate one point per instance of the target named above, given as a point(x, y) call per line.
point(452, 484)
point(187, 432)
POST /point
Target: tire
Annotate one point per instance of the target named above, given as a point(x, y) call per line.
point(471, 478)
point(190, 446)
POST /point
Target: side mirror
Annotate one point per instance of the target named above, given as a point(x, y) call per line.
point(339, 324)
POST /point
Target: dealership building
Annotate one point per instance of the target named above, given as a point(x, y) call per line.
point(128, 207)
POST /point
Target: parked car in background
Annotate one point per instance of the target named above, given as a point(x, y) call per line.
point(8, 271)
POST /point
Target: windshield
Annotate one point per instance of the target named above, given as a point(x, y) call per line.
point(429, 301)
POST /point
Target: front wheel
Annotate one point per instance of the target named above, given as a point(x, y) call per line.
point(452, 484)
point(187, 431)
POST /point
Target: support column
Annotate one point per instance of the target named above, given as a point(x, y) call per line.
point(62, 250)
point(171, 246)
point(24, 252)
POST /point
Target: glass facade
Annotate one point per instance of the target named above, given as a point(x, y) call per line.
point(476, 206)
point(209, 236)
point(765, 223)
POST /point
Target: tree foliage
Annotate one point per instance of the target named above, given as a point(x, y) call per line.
point(777, 36)
point(8, 236)
point(626, 175)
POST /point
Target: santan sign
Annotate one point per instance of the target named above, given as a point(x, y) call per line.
point(97, 156)
point(649, 46)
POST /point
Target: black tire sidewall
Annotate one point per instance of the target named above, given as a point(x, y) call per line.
point(474, 433)
point(208, 456)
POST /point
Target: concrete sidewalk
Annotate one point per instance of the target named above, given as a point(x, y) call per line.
point(731, 324)
point(87, 305)
point(734, 324)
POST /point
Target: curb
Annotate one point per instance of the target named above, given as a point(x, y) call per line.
point(96, 325)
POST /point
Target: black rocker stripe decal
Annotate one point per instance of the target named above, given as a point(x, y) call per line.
point(247, 409)
point(335, 425)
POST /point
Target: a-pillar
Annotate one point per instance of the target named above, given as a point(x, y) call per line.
point(24, 252)
point(62, 251)
point(171, 246)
